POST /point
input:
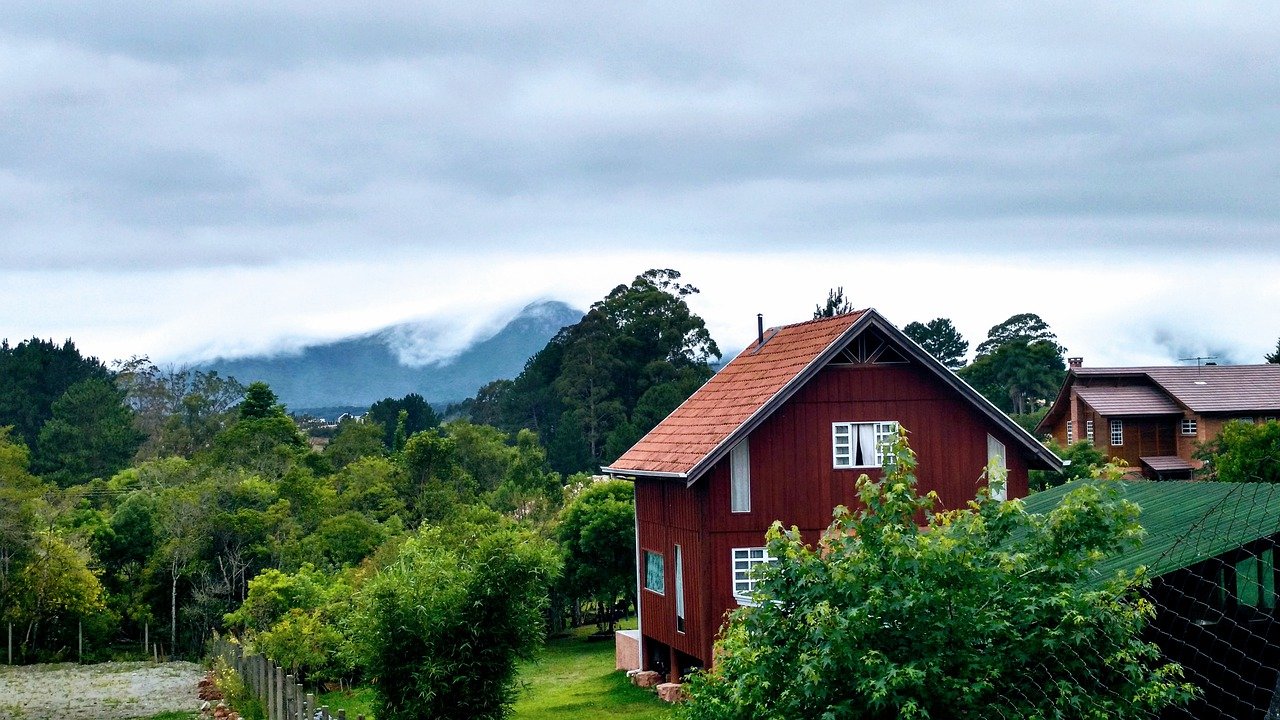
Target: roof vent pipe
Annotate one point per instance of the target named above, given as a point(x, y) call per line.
point(760, 328)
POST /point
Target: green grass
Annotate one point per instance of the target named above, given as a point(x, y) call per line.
point(574, 678)
point(357, 702)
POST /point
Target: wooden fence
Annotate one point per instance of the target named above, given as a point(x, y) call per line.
point(282, 696)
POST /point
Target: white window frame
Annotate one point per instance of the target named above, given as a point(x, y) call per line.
point(1088, 430)
point(997, 469)
point(1117, 433)
point(740, 478)
point(662, 573)
point(849, 439)
point(1187, 426)
point(742, 562)
point(1071, 436)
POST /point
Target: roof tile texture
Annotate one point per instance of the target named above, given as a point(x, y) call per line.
point(1211, 388)
point(1128, 400)
point(744, 386)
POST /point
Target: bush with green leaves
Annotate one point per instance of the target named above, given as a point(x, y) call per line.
point(442, 627)
point(1242, 452)
point(985, 611)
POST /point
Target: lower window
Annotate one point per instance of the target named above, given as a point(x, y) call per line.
point(744, 561)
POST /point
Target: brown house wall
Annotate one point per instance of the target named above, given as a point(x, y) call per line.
point(792, 480)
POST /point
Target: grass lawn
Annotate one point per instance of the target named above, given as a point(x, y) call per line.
point(574, 678)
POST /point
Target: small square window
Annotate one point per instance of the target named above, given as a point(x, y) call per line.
point(1071, 436)
point(1088, 431)
point(1188, 426)
point(1117, 433)
point(654, 572)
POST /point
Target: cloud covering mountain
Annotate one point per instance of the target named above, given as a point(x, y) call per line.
point(399, 360)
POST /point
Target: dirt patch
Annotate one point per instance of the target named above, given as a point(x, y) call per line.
point(108, 691)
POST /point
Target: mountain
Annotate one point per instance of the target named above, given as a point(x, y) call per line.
point(361, 370)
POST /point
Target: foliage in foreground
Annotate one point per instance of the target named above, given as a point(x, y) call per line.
point(982, 613)
point(443, 626)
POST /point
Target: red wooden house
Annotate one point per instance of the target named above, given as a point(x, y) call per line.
point(782, 433)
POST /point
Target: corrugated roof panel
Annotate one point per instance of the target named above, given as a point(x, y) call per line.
point(1185, 521)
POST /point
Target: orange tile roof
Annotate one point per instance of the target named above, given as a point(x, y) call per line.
point(743, 388)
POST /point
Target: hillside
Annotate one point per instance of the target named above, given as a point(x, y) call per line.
point(360, 370)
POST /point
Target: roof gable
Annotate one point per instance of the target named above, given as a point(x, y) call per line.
point(765, 375)
point(1204, 389)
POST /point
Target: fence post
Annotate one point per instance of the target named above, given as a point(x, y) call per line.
point(311, 706)
point(146, 638)
point(10, 643)
point(270, 709)
point(80, 642)
point(342, 714)
point(280, 704)
point(299, 701)
point(324, 712)
point(288, 711)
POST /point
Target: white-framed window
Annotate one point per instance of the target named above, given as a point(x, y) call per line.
point(1071, 436)
point(740, 478)
point(997, 469)
point(861, 445)
point(1117, 433)
point(1246, 419)
point(654, 572)
point(1088, 431)
point(744, 561)
point(1187, 426)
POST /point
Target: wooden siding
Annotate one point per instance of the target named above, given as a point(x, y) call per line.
point(792, 480)
point(671, 514)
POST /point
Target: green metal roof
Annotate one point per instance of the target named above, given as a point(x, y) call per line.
point(1185, 521)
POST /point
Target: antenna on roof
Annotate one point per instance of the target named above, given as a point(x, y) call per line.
point(1200, 359)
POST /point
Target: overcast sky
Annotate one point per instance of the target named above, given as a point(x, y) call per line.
point(191, 179)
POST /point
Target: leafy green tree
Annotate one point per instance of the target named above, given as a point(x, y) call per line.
point(1080, 461)
point(368, 486)
point(1019, 367)
point(343, 540)
point(586, 384)
point(54, 590)
point(21, 499)
point(386, 413)
point(33, 375)
point(837, 304)
point(597, 544)
point(950, 620)
point(1242, 452)
point(353, 441)
point(89, 434)
point(260, 402)
point(1025, 328)
point(442, 628)
point(940, 339)
point(179, 409)
point(1273, 357)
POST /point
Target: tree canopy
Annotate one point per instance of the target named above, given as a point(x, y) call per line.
point(1019, 367)
point(1243, 452)
point(940, 339)
point(601, 383)
point(1273, 357)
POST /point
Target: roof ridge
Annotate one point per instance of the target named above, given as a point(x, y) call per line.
point(815, 321)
